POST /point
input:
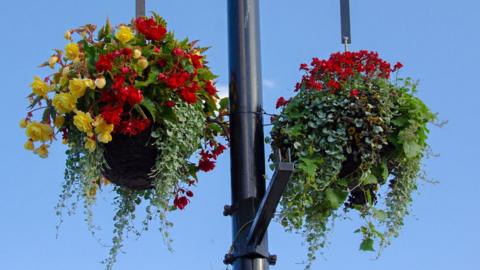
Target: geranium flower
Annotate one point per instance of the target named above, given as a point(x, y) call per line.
point(206, 164)
point(104, 63)
point(281, 101)
point(181, 202)
point(188, 95)
point(150, 29)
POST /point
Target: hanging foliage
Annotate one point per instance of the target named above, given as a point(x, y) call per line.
point(357, 138)
point(133, 105)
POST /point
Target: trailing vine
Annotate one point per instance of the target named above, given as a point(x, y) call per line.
point(351, 130)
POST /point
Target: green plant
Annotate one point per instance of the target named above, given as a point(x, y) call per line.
point(133, 80)
point(351, 131)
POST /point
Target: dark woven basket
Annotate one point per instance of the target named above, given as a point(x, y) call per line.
point(130, 160)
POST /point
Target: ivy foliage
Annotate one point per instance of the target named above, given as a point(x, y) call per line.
point(348, 141)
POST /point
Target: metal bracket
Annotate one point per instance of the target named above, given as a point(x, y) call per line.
point(254, 230)
point(345, 22)
point(269, 203)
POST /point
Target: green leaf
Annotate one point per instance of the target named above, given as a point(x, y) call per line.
point(368, 178)
point(152, 78)
point(295, 130)
point(335, 197)
point(216, 128)
point(367, 245)
point(150, 106)
point(381, 170)
point(90, 56)
point(224, 102)
point(380, 215)
point(411, 149)
point(308, 166)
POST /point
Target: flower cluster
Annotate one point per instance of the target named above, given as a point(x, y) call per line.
point(351, 130)
point(128, 81)
point(329, 74)
point(118, 84)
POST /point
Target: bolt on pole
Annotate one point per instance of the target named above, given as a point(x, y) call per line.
point(246, 125)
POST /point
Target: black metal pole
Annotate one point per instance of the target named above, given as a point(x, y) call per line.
point(246, 124)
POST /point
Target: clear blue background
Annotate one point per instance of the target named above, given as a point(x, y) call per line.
point(436, 40)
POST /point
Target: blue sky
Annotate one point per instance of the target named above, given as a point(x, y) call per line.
point(437, 41)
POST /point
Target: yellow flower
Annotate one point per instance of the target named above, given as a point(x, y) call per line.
point(52, 61)
point(124, 34)
point(77, 87)
point(64, 102)
point(92, 192)
point(39, 132)
point(90, 145)
point(89, 83)
point(39, 87)
point(83, 121)
point(68, 35)
point(104, 181)
point(100, 82)
point(137, 53)
point(103, 129)
point(59, 121)
point(104, 137)
point(72, 51)
point(23, 123)
point(42, 151)
point(143, 63)
point(29, 145)
point(64, 141)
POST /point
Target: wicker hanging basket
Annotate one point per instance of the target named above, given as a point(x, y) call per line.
point(130, 160)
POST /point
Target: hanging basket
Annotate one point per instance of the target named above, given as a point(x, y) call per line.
point(357, 139)
point(130, 160)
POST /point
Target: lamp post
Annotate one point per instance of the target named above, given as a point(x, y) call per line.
point(247, 139)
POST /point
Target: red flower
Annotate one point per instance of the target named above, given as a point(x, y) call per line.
point(170, 104)
point(218, 151)
point(196, 60)
point(354, 93)
point(125, 70)
point(118, 82)
point(162, 63)
point(177, 79)
point(135, 96)
point(150, 29)
point(303, 67)
point(104, 63)
point(211, 89)
point(206, 165)
point(397, 66)
point(180, 202)
point(189, 193)
point(333, 84)
point(127, 52)
point(111, 114)
point(178, 52)
point(133, 127)
point(188, 95)
point(281, 101)
point(162, 77)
